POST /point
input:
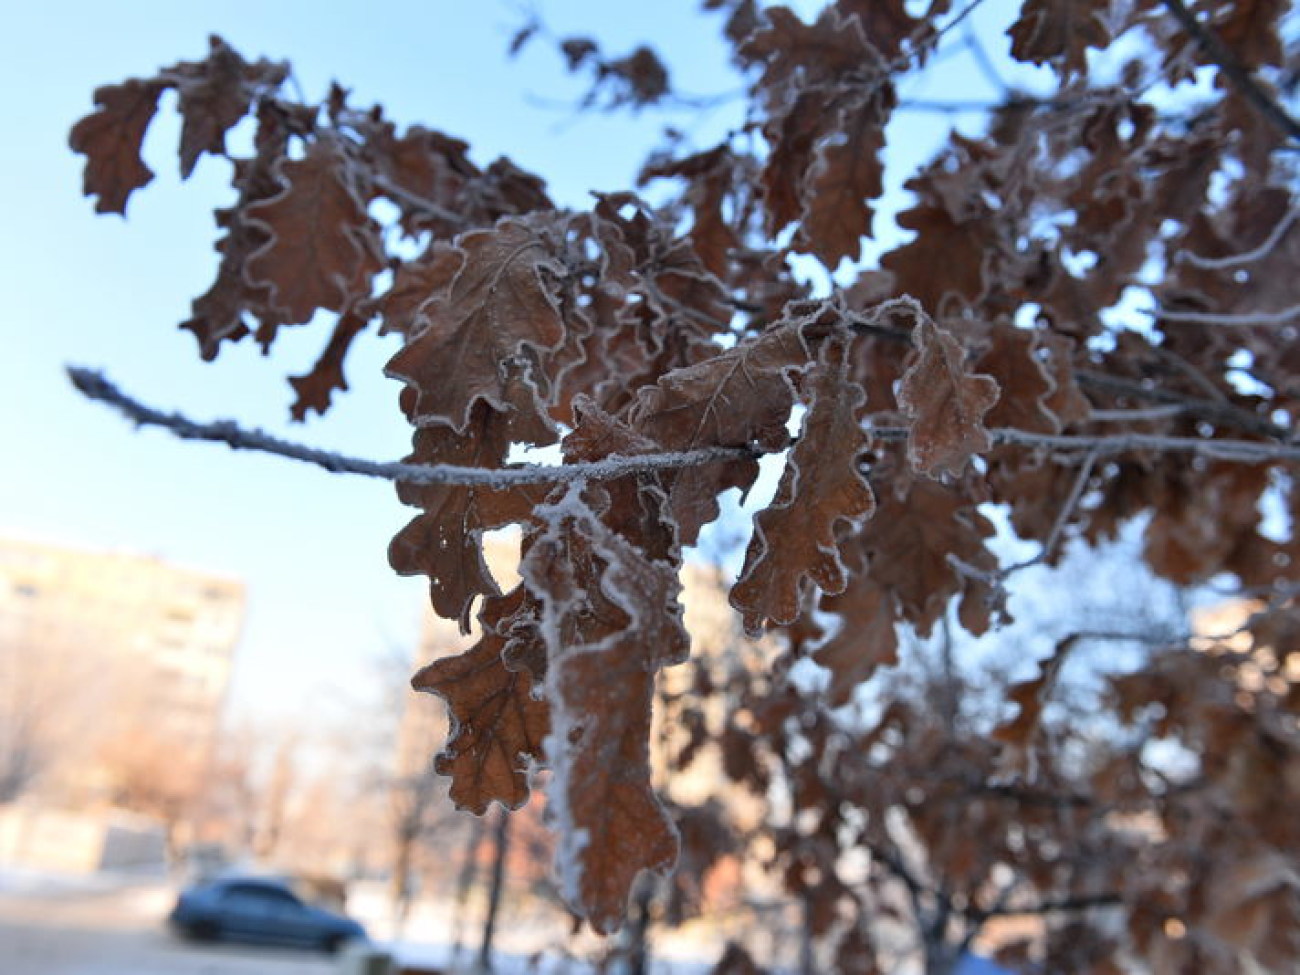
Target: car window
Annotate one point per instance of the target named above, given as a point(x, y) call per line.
point(254, 896)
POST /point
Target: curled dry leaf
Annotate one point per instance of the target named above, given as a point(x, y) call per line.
point(822, 488)
point(110, 138)
point(1060, 31)
point(316, 387)
point(444, 541)
point(846, 172)
point(603, 621)
point(945, 402)
point(497, 723)
point(501, 307)
point(323, 248)
point(738, 398)
point(865, 638)
point(1031, 696)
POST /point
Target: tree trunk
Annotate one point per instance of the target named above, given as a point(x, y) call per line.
point(637, 930)
point(464, 883)
point(501, 844)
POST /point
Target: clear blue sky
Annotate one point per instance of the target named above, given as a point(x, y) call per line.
point(109, 293)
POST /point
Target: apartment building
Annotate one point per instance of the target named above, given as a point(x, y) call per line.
point(103, 652)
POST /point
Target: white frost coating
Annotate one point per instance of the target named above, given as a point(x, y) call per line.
point(631, 582)
point(95, 386)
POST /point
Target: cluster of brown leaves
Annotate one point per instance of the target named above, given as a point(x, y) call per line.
point(974, 366)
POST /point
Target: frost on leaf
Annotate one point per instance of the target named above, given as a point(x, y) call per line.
point(794, 540)
point(908, 542)
point(864, 639)
point(845, 174)
point(444, 541)
point(1060, 31)
point(110, 139)
point(738, 398)
point(604, 623)
point(216, 93)
point(497, 725)
point(487, 332)
point(945, 403)
point(322, 248)
point(316, 387)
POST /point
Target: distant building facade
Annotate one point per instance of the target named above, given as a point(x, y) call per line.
point(108, 659)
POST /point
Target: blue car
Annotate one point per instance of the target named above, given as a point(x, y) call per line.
point(261, 911)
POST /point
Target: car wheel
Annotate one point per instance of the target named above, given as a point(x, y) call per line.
point(333, 943)
point(204, 931)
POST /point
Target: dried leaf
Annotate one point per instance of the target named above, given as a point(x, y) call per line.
point(865, 639)
point(215, 94)
point(1031, 696)
point(1013, 361)
point(794, 540)
point(497, 724)
point(501, 307)
point(444, 542)
point(910, 539)
point(1060, 31)
point(846, 172)
point(315, 388)
point(739, 397)
point(323, 248)
point(945, 403)
point(110, 139)
point(606, 631)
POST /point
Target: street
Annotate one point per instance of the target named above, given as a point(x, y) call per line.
point(119, 930)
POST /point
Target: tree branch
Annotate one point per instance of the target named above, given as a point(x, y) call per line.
point(1219, 54)
point(1108, 445)
point(95, 386)
point(1059, 905)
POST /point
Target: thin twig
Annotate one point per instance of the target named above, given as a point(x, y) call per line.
point(95, 386)
point(1245, 318)
point(1062, 518)
point(1167, 412)
point(1108, 445)
point(1245, 257)
point(1218, 53)
point(1223, 414)
point(1060, 905)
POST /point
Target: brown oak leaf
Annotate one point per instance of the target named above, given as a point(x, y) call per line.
point(1013, 361)
point(737, 398)
point(1031, 696)
point(910, 539)
point(216, 93)
point(218, 315)
point(1061, 31)
point(110, 139)
point(501, 307)
point(443, 542)
point(606, 630)
point(846, 172)
point(1250, 29)
point(865, 639)
point(945, 402)
point(497, 724)
point(794, 539)
point(316, 387)
point(323, 247)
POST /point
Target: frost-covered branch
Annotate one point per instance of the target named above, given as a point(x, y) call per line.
point(1245, 318)
point(95, 386)
point(1108, 445)
point(1219, 54)
point(1245, 257)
